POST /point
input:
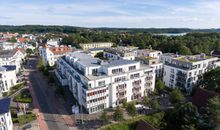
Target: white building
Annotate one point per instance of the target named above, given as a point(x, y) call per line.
point(12, 57)
point(54, 42)
point(8, 46)
point(151, 58)
point(184, 71)
point(98, 84)
point(148, 53)
point(51, 54)
point(119, 52)
point(86, 46)
point(5, 115)
point(8, 77)
point(152, 62)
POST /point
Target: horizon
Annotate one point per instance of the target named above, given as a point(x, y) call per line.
point(198, 14)
point(112, 27)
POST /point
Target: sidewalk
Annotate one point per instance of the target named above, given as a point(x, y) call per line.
point(42, 123)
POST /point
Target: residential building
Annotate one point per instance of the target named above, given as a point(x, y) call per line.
point(5, 115)
point(184, 71)
point(12, 57)
point(148, 53)
point(54, 42)
point(8, 77)
point(50, 54)
point(119, 52)
point(98, 84)
point(23, 40)
point(7, 46)
point(151, 58)
point(152, 62)
point(87, 46)
point(201, 97)
point(94, 51)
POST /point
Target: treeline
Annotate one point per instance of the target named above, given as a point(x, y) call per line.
point(191, 43)
point(72, 29)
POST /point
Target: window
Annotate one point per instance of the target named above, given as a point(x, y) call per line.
point(101, 83)
point(120, 79)
point(132, 68)
point(115, 71)
point(94, 71)
point(134, 75)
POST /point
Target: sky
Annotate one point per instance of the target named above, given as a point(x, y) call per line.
point(112, 13)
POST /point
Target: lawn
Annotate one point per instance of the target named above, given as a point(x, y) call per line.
point(154, 119)
point(16, 88)
point(23, 119)
point(24, 96)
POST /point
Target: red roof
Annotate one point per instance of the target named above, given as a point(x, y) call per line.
point(201, 97)
point(22, 40)
point(21, 50)
point(60, 49)
point(143, 125)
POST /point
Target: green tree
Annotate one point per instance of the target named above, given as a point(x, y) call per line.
point(145, 100)
point(124, 104)
point(213, 112)
point(29, 51)
point(118, 114)
point(104, 117)
point(211, 80)
point(159, 87)
point(185, 50)
point(183, 117)
point(154, 104)
point(176, 97)
point(40, 64)
point(131, 109)
point(13, 40)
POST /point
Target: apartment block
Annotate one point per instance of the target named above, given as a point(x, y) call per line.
point(153, 63)
point(119, 52)
point(12, 57)
point(50, 54)
point(98, 84)
point(8, 77)
point(5, 115)
point(148, 53)
point(184, 71)
point(87, 46)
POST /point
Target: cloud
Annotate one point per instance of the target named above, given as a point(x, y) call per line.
point(115, 13)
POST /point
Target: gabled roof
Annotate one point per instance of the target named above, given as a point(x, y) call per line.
point(7, 53)
point(4, 105)
point(201, 97)
point(143, 125)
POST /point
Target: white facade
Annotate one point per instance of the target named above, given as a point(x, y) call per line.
point(184, 71)
point(98, 85)
point(119, 52)
point(54, 42)
point(86, 46)
point(50, 55)
point(8, 78)
point(6, 121)
point(5, 115)
point(12, 57)
point(148, 53)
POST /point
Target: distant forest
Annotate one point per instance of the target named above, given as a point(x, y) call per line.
point(72, 29)
point(194, 42)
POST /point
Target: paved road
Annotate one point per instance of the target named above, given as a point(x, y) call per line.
point(46, 100)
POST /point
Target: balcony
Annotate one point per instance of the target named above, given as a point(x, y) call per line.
point(149, 77)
